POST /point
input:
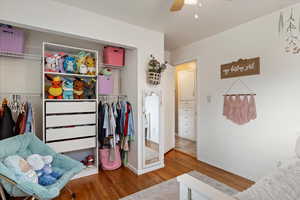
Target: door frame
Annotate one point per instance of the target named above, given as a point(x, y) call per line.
point(196, 100)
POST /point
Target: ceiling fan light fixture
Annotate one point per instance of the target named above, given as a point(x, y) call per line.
point(191, 2)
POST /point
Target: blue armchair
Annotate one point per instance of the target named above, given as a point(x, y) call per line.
point(25, 145)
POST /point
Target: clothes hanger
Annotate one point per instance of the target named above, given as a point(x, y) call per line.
point(244, 84)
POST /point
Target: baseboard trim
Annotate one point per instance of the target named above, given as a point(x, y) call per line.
point(146, 170)
point(184, 153)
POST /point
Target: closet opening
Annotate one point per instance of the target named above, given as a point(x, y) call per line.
point(185, 108)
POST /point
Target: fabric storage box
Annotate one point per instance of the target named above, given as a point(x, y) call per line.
point(106, 164)
point(11, 40)
point(106, 84)
point(114, 56)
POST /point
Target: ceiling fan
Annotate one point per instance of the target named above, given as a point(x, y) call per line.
point(178, 4)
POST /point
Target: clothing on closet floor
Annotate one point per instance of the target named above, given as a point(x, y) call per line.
point(116, 127)
point(239, 111)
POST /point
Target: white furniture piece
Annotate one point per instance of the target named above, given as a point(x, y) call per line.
point(70, 126)
point(193, 189)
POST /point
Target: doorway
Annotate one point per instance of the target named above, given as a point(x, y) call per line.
point(185, 108)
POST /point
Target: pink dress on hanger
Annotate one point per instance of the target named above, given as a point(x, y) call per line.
point(252, 108)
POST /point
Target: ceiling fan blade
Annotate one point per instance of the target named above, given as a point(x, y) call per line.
point(177, 5)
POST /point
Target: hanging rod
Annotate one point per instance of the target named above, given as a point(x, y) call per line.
point(112, 95)
point(21, 94)
point(227, 95)
point(24, 56)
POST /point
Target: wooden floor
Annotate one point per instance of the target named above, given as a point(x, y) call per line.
point(113, 185)
point(186, 146)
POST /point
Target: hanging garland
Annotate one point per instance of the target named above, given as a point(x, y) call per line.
point(290, 30)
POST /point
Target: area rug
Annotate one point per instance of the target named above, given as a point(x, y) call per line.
point(170, 189)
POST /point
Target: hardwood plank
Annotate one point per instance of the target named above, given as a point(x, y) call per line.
point(112, 185)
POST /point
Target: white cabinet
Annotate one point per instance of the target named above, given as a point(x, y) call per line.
point(70, 125)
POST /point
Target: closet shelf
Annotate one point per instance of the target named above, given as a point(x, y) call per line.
point(66, 100)
point(111, 66)
point(69, 74)
point(23, 56)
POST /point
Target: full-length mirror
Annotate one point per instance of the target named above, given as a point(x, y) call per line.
point(151, 128)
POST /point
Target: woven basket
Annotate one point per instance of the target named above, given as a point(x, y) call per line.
point(154, 78)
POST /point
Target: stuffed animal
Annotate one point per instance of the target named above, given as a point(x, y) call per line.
point(55, 91)
point(78, 89)
point(70, 64)
point(60, 62)
point(68, 89)
point(90, 63)
point(42, 166)
point(81, 60)
point(21, 168)
point(106, 72)
point(89, 91)
point(50, 62)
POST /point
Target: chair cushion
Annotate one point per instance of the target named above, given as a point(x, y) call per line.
point(25, 145)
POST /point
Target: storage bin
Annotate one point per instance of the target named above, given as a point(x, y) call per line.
point(114, 56)
point(106, 84)
point(106, 164)
point(11, 40)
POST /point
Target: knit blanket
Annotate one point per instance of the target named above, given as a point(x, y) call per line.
point(283, 184)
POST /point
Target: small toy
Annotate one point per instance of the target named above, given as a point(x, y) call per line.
point(21, 168)
point(68, 89)
point(60, 62)
point(78, 88)
point(42, 166)
point(50, 62)
point(90, 63)
point(88, 161)
point(89, 91)
point(55, 91)
point(81, 60)
point(70, 64)
point(106, 72)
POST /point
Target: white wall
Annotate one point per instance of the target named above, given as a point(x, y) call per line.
point(168, 85)
point(55, 17)
point(251, 150)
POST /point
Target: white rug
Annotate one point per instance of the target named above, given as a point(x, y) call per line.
point(170, 189)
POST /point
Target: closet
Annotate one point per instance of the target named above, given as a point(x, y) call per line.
point(69, 126)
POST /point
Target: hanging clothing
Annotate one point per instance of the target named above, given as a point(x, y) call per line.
point(7, 124)
point(29, 128)
point(101, 130)
point(116, 126)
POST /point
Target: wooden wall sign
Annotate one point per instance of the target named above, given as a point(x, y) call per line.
point(242, 67)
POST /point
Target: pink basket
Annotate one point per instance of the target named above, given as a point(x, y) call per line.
point(11, 40)
point(106, 163)
point(106, 84)
point(114, 56)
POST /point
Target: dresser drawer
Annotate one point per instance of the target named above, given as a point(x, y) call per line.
point(73, 145)
point(69, 133)
point(70, 120)
point(70, 107)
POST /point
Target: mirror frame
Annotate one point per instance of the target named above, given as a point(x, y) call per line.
point(161, 136)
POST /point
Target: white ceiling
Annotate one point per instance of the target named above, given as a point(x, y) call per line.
point(180, 27)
